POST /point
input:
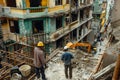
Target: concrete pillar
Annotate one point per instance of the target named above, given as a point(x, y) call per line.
point(77, 33)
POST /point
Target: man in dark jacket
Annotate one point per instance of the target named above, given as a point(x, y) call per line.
point(66, 58)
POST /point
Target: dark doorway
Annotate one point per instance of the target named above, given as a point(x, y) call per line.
point(35, 3)
point(38, 26)
point(74, 16)
point(73, 35)
point(81, 15)
point(14, 26)
point(58, 2)
point(59, 43)
point(11, 3)
point(58, 22)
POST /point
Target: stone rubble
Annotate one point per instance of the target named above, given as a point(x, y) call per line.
point(83, 65)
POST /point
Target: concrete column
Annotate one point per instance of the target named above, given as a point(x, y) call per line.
point(79, 16)
point(77, 33)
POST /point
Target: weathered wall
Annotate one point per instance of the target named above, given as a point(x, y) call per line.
point(116, 11)
point(19, 3)
point(6, 32)
point(52, 25)
point(2, 2)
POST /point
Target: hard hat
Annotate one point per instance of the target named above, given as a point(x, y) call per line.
point(65, 48)
point(40, 43)
point(94, 48)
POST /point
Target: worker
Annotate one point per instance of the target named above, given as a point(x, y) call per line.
point(99, 38)
point(66, 58)
point(39, 60)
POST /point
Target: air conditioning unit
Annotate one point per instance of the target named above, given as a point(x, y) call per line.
point(6, 10)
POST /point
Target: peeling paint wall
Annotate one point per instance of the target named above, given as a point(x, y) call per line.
point(51, 3)
point(5, 29)
point(19, 4)
point(7, 34)
point(116, 11)
point(52, 23)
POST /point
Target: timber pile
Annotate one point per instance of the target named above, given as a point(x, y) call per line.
point(5, 71)
point(105, 71)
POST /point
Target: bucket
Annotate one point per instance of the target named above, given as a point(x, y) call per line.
point(25, 70)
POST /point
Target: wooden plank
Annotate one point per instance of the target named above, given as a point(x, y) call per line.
point(31, 77)
point(99, 63)
point(97, 66)
point(53, 54)
point(104, 71)
point(117, 69)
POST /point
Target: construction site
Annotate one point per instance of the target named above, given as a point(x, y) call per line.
point(90, 29)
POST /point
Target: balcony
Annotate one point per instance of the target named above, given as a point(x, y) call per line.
point(25, 12)
point(81, 6)
point(56, 10)
point(63, 31)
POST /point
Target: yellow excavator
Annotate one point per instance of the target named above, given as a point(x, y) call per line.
point(74, 45)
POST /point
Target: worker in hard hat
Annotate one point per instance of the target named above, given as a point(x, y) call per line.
point(66, 58)
point(39, 60)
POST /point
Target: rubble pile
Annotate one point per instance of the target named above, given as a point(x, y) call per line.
point(83, 65)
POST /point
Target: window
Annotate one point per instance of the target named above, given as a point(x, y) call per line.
point(14, 26)
point(59, 43)
point(58, 2)
point(67, 19)
point(3, 21)
point(58, 22)
point(11, 3)
point(81, 15)
point(35, 3)
point(38, 26)
point(74, 16)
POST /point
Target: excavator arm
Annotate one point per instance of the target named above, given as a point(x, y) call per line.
point(74, 45)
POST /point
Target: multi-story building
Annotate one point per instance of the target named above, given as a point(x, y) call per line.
point(55, 22)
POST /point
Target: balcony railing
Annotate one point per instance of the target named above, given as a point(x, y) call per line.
point(63, 31)
point(36, 9)
point(25, 12)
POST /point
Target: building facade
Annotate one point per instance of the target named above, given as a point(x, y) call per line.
point(55, 22)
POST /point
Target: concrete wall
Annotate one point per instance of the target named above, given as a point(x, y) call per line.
point(116, 11)
point(19, 3)
point(6, 32)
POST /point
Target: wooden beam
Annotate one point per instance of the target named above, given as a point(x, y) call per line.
point(104, 71)
point(117, 69)
point(31, 77)
point(99, 63)
point(97, 66)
